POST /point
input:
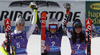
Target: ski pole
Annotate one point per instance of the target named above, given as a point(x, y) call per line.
point(13, 49)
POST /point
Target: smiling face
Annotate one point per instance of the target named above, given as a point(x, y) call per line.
point(53, 28)
point(52, 31)
point(20, 26)
point(78, 29)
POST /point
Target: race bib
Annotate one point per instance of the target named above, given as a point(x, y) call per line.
point(20, 50)
point(79, 51)
point(54, 48)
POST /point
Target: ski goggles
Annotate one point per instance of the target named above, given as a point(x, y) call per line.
point(53, 26)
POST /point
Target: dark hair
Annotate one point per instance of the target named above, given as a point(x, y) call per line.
point(77, 22)
point(74, 36)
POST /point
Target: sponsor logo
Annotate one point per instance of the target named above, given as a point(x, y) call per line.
point(42, 45)
point(8, 28)
point(20, 50)
point(95, 6)
point(79, 51)
point(27, 15)
point(43, 21)
point(7, 22)
point(54, 48)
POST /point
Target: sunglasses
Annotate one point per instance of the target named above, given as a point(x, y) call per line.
point(52, 26)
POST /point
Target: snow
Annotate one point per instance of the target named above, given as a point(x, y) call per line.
point(34, 45)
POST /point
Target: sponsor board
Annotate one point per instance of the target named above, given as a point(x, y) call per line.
point(79, 10)
point(93, 11)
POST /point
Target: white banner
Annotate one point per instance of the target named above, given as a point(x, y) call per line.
point(77, 10)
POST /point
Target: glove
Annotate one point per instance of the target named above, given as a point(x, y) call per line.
point(7, 43)
point(9, 54)
point(33, 6)
point(43, 54)
point(67, 5)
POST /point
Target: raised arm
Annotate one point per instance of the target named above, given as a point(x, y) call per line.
point(66, 31)
point(34, 20)
point(39, 23)
point(94, 31)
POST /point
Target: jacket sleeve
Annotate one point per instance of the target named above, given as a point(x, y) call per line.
point(2, 48)
point(64, 26)
point(39, 23)
point(33, 23)
point(93, 31)
point(66, 31)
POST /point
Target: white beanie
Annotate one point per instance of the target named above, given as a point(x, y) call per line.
point(19, 19)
